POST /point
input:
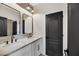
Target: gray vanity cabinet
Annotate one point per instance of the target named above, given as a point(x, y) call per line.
point(32, 49)
point(25, 51)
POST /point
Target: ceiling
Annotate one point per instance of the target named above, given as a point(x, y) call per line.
point(24, 5)
point(44, 7)
point(49, 7)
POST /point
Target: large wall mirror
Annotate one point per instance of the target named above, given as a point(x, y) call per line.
point(27, 22)
point(8, 27)
point(9, 21)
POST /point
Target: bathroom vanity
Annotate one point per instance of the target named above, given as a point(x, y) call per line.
point(18, 39)
point(23, 47)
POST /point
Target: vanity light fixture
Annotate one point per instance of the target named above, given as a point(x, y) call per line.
point(32, 11)
point(28, 8)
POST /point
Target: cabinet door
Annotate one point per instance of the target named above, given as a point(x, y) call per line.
point(37, 51)
point(18, 53)
point(26, 51)
point(36, 48)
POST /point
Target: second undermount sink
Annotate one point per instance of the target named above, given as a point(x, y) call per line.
point(22, 40)
point(2, 45)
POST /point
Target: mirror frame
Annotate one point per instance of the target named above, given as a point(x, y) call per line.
point(28, 34)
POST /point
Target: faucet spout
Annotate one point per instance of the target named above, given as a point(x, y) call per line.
point(12, 37)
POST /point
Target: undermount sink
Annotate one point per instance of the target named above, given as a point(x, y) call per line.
point(22, 40)
point(4, 44)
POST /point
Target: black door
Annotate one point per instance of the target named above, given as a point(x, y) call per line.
point(3, 26)
point(14, 28)
point(54, 34)
point(23, 25)
point(73, 29)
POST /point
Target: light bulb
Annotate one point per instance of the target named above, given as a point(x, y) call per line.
point(32, 11)
point(28, 8)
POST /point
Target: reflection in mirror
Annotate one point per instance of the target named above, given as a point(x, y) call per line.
point(14, 28)
point(9, 20)
point(11, 27)
point(27, 25)
point(3, 26)
point(7, 27)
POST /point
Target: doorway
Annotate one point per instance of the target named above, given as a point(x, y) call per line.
point(54, 34)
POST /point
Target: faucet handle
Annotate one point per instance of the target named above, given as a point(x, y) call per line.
point(7, 42)
point(12, 38)
point(15, 40)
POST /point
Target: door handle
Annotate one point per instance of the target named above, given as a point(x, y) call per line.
point(62, 35)
point(66, 52)
point(46, 37)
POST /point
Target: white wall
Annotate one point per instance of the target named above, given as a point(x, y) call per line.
point(39, 19)
point(39, 28)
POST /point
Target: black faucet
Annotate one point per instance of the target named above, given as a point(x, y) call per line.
point(7, 42)
point(12, 37)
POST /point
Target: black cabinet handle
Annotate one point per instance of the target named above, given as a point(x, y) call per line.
point(38, 47)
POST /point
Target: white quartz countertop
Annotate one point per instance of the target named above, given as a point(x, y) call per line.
point(10, 48)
